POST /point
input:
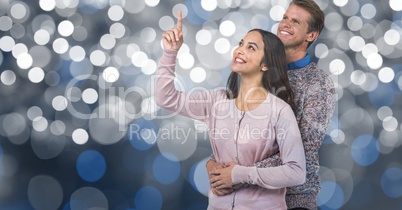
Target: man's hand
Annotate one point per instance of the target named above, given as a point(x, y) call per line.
point(173, 38)
point(212, 165)
point(222, 177)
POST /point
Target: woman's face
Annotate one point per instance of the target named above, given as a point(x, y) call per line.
point(248, 55)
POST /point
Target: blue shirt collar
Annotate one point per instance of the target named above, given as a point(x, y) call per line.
point(299, 63)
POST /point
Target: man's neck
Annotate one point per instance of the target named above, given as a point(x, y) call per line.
point(293, 55)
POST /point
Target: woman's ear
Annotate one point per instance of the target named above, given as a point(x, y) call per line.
point(264, 68)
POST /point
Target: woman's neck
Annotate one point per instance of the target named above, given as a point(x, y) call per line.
point(250, 96)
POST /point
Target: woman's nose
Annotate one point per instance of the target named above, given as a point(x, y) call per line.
point(239, 51)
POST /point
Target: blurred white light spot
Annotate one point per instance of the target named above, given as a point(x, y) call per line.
point(97, 58)
point(148, 105)
point(73, 94)
point(358, 77)
point(8, 77)
point(34, 112)
point(65, 28)
point(374, 61)
point(6, 23)
point(209, 5)
point(390, 123)
point(148, 135)
point(131, 49)
point(107, 41)
point(74, 3)
point(186, 60)
point(371, 83)
point(44, 192)
point(117, 30)
point(77, 53)
point(369, 49)
point(321, 50)
point(139, 58)
point(41, 37)
point(400, 82)
point(392, 37)
point(386, 75)
point(57, 127)
point(334, 22)
point(166, 23)
point(60, 45)
point(222, 45)
point(36, 75)
point(152, 3)
point(227, 28)
point(276, 12)
point(47, 5)
point(340, 3)
point(368, 11)
point(203, 37)
point(18, 49)
point(39, 123)
point(59, 103)
point(355, 23)
point(201, 180)
point(89, 95)
point(179, 144)
point(356, 43)
point(338, 136)
point(18, 11)
point(12, 124)
point(337, 67)
point(148, 34)
point(24, 61)
point(7, 43)
point(149, 67)
point(198, 75)
point(115, 13)
point(390, 139)
point(110, 74)
point(395, 5)
point(384, 112)
point(80, 136)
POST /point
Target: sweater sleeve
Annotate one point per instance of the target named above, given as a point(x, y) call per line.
point(292, 171)
point(195, 105)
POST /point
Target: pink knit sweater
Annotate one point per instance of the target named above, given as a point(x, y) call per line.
point(241, 137)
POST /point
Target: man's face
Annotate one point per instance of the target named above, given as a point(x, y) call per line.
point(293, 28)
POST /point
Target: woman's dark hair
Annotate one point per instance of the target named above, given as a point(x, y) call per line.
point(275, 79)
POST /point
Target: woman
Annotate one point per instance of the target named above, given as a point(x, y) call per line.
point(251, 120)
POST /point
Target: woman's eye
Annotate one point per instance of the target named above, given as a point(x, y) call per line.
point(251, 47)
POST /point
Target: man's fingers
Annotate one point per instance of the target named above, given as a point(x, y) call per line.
point(179, 20)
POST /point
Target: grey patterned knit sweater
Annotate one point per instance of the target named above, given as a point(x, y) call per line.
point(315, 101)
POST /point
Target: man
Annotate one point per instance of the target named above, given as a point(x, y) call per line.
point(314, 92)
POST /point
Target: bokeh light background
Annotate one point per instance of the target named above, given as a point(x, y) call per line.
point(79, 128)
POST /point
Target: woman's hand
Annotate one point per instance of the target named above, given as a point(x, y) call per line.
point(222, 177)
point(173, 38)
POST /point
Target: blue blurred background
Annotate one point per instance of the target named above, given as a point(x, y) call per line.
point(79, 128)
